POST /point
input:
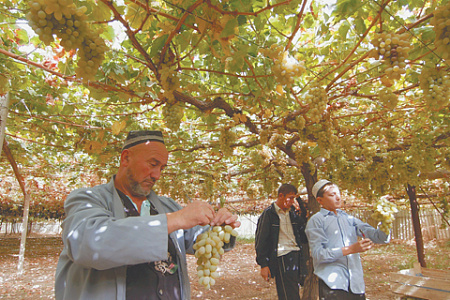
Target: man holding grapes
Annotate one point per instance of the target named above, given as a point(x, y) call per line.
point(122, 241)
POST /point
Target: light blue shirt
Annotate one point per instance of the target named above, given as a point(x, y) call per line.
point(327, 233)
point(145, 207)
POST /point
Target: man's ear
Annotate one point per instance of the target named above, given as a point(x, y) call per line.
point(319, 200)
point(125, 157)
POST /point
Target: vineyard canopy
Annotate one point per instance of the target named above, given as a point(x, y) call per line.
point(247, 92)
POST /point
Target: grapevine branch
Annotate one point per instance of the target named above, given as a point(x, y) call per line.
point(94, 84)
point(13, 163)
point(132, 36)
point(216, 103)
point(178, 27)
point(374, 21)
point(297, 25)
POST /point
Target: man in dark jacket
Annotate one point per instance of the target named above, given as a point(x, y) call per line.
point(280, 241)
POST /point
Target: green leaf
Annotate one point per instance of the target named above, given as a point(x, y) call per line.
point(360, 25)
point(23, 36)
point(346, 7)
point(343, 29)
point(242, 20)
point(109, 33)
point(158, 44)
point(308, 21)
point(66, 68)
point(229, 28)
point(259, 22)
point(101, 12)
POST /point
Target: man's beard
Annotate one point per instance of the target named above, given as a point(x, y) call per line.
point(135, 186)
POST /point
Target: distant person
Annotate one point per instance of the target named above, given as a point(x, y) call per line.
point(334, 245)
point(122, 240)
point(279, 241)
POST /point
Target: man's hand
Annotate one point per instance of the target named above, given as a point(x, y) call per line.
point(200, 213)
point(224, 216)
point(195, 213)
point(360, 246)
point(265, 273)
point(300, 207)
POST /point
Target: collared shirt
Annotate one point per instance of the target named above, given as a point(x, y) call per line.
point(327, 233)
point(145, 207)
point(155, 280)
point(286, 238)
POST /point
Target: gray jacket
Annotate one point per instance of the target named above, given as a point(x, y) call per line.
point(99, 242)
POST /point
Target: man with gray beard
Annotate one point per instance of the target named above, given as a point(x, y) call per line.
point(122, 241)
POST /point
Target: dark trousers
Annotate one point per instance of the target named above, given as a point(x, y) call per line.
point(287, 277)
point(325, 293)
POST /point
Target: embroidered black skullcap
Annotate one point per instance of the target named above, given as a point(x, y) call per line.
point(137, 137)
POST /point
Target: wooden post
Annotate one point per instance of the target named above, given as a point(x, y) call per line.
point(411, 191)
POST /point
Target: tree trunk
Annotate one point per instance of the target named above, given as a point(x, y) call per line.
point(4, 103)
point(23, 239)
point(311, 286)
point(26, 206)
point(411, 190)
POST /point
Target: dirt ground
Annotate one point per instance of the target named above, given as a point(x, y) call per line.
point(240, 275)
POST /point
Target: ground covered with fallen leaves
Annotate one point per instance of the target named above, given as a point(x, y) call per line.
point(240, 275)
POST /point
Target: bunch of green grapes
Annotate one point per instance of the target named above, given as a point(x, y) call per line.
point(301, 151)
point(317, 99)
point(275, 139)
point(264, 136)
point(326, 141)
point(285, 68)
point(173, 114)
point(300, 122)
point(303, 154)
point(388, 98)
point(92, 53)
point(435, 83)
point(384, 211)
point(209, 250)
point(226, 140)
point(68, 22)
point(169, 82)
point(441, 23)
point(393, 49)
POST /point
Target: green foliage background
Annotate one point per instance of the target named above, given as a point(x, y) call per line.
point(205, 72)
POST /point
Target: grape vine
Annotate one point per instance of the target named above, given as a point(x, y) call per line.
point(317, 99)
point(392, 49)
point(388, 98)
point(69, 23)
point(441, 23)
point(435, 83)
point(384, 212)
point(285, 68)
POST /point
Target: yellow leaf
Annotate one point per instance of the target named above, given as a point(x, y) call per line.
point(280, 89)
point(202, 24)
point(117, 127)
